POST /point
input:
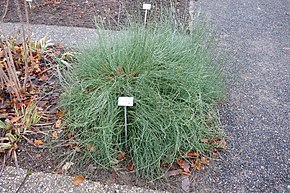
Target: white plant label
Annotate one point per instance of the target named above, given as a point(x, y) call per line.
point(125, 101)
point(147, 6)
point(28, 0)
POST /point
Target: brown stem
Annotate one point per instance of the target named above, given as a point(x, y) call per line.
point(5, 9)
point(27, 49)
point(10, 66)
point(25, 43)
point(3, 75)
point(16, 161)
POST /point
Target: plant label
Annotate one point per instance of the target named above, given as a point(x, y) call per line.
point(28, 0)
point(147, 6)
point(125, 101)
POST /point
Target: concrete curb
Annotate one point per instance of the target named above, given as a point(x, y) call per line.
point(11, 181)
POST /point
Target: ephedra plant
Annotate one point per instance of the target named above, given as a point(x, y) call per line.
point(175, 84)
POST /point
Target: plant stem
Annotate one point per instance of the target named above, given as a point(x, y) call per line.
point(27, 49)
point(5, 9)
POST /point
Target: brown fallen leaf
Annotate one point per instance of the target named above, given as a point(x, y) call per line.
point(78, 180)
point(181, 162)
point(184, 166)
point(192, 154)
point(122, 156)
point(74, 144)
point(15, 119)
point(204, 140)
point(131, 166)
point(55, 134)
point(204, 161)
point(38, 142)
point(221, 143)
point(186, 173)
point(196, 165)
point(59, 114)
point(58, 123)
point(2, 151)
point(91, 147)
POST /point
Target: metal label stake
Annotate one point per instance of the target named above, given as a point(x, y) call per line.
point(29, 3)
point(146, 7)
point(126, 128)
point(125, 102)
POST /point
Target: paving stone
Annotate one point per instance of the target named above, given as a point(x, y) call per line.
point(11, 179)
point(57, 34)
point(46, 183)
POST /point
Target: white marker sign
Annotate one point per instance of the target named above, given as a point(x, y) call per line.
point(125, 101)
point(28, 0)
point(147, 6)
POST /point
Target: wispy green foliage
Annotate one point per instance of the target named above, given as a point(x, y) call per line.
point(175, 85)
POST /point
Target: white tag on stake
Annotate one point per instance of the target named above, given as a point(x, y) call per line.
point(28, 0)
point(147, 6)
point(125, 101)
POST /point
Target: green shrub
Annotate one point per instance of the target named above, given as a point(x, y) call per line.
point(175, 85)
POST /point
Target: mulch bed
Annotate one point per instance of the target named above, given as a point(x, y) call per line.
point(81, 13)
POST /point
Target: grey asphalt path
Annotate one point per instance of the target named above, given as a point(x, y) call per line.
point(74, 37)
point(23, 182)
point(252, 35)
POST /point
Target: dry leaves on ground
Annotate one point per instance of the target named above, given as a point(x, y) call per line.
point(78, 180)
point(38, 142)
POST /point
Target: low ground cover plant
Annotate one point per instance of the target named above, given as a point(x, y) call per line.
point(175, 84)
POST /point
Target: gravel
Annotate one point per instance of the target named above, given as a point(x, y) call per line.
point(257, 113)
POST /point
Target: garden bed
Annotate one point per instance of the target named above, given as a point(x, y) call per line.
point(81, 13)
point(173, 126)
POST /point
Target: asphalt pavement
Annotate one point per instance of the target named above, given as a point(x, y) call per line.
point(254, 38)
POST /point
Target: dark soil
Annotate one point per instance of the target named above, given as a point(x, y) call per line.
point(79, 13)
